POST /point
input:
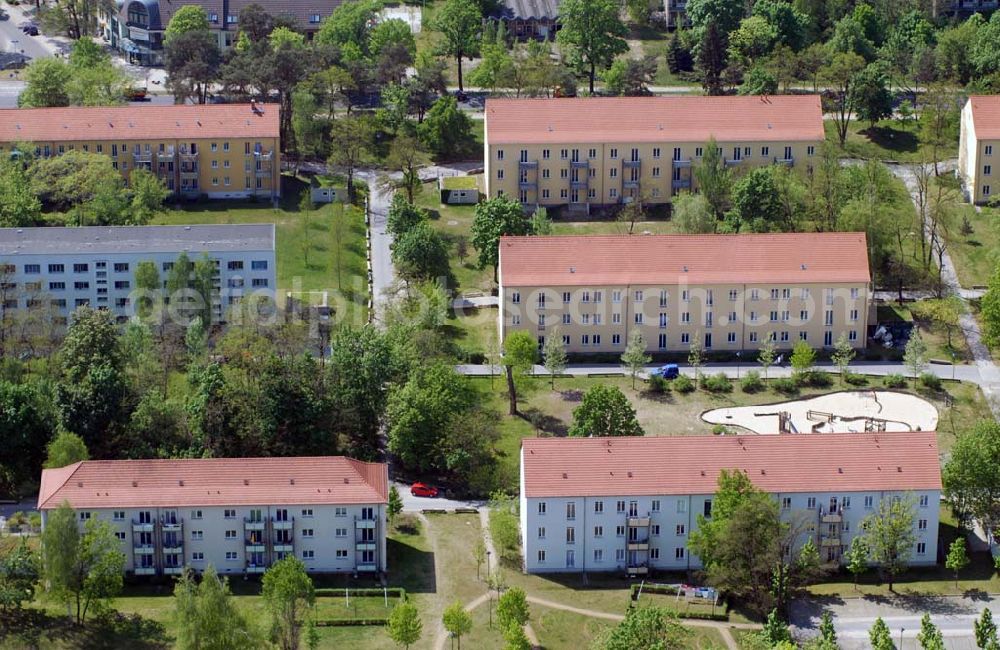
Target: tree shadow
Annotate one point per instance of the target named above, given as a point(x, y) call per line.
point(572, 395)
point(892, 139)
point(411, 567)
point(543, 422)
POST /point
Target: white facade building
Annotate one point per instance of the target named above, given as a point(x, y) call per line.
point(979, 148)
point(239, 515)
point(630, 504)
point(66, 268)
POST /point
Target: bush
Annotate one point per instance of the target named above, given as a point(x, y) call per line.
point(718, 383)
point(657, 384)
point(785, 385)
point(719, 429)
point(895, 380)
point(930, 380)
point(682, 384)
point(752, 382)
point(855, 379)
point(817, 379)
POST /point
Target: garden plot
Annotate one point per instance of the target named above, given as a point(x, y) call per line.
point(844, 412)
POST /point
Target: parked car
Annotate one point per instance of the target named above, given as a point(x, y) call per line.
point(423, 490)
point(4, 15)
point(32, 30)
point(136, 94)
point(669, 371)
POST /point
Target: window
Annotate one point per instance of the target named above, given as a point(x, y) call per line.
point(118, 515)
point(515, 297)
point(231, 556)
point(308, 555)
point(570, 535)
point(307, 512)
point(852, 336)
point(229, 514)
point(989, 150)
point(32, 268)
point(620, 507)
point(619, 555)
point(598, 555)
point(685, 338)
point(619, 531)
point(656, 172)
point(84, 516)
point(616, 339)
point(258, 265)
point(923, 500)
point(340, 511)
point(541, 557)
point(987, 170)
point(196, 514)
point(598, 531)
point(811, 503)
point(986, 190)
point(541, 507)
point(679, 553)
point(197, 535)
point(598, 507)
point(707, 511)
point(571, 510)
point(230, 534)
point(654, 505)
point(81, 268)
point(541, 532)
point(765, 151)
point(638, 318)
point(341, 553)
point(340, 532)
point(869, 502)
point(499, 154)
point(810, 150)
point(616, 318)
point(307, 532)
point(120, 536)
point(198, 556)
point(854, 293)
point(922, 524)
point(57, 286)
point(921, 548)
point(786, 503)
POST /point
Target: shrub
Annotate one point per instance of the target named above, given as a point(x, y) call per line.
point(718, 384)
point(752, 382)
point(683, 384)
point(719, 429)
point(817, 379)
point(657, 384)
point(785, 385)
point(895, 380)
point(855, 379)
point(930, 380)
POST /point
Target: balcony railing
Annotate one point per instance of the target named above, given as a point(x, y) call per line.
point(143, 549)
point(784, 161)
point(631, 164)
point(637, 522)
point(367, 568)
point(686, 162)
point(579, 185)
point(630, 185)
point(188, 155)
point(638, 545)
point(171, 525)
point(830, 541)
point(527, 185)
point(528, 164)
point(142, 527)
point(255, 569)
point(145, 570)
point(173, 570)
point(143, 157)
point(579, 164)
point(364, 546)
point(283, 524)
point(732, 162)
point(370, 523)
point(681, 183)
point(167, 154)
point(252, 525)
point(255, 547)
point(637, 570)
point(283, 547)
point(831, 518)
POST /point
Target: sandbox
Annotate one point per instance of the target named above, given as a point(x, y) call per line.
point(854, 411)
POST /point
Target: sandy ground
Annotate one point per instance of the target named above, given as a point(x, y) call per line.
point(849, 410)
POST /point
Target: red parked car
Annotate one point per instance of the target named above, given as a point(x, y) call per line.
point(423, 490)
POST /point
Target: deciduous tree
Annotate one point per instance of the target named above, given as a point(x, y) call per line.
point(929, 637)
point(457, 621)
point(554, 355)
point(350, 146)
point(986, 630)
point(713, 178)
point(208, 618)
point(404, 624)
point(840, 75)
point(495, 218)
point(971, 476)
point(420, 253)
point(287, 592)
point(593, 34)
point(445, 130)
point(648, 627)
point(65, 449)
point(888, 534)
point(459, 22)
point(635, 357)
point(520, 350)
point(605, 411)
point(880, 637)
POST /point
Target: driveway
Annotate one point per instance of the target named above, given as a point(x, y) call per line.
point(416, 504)
point(853, 617)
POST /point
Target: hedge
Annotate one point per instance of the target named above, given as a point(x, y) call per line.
point(348, 622)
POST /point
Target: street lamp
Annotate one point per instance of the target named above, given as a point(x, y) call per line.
point(738, 355)
point(901, 630)
point(953, 358)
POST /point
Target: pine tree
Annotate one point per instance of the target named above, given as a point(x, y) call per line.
point(678, 57)
point(826, 630)
point(712, 59)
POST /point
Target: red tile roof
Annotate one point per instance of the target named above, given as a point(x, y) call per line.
point(843, 462)
point(591, 260)
point(124, 123)
point(779, 118)
point(986, 116)
point(314, 480)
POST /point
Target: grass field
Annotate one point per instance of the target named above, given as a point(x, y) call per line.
point(974, 255)
point(889, 140)
point(316, 250)
point(547, 412)
point(933, 335)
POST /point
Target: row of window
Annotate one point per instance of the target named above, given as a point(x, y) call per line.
point(680, 530)
point(739, 153)
point(664, 318)
point(680, 553)
point(253, 515)
point(588, 295)
point(121, 267)
point(685, 338)
point(142, 149)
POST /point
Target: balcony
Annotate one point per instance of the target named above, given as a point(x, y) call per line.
point(686, 162)
point(146, 527)
point(283, 547)
point(527, 185)
point(784, 161)
point(173, 570)
point(364, 546)
point(171, 526)
point(173, 548)
point(367, 568)
point(638, 522)
point(143, 157)
point(252, 525)
point(166, 155)
point(263, 155)
point(579, 185)
point(830, 541)
point(638, 545)
point(831, 518)
point(188, 155)
point(143, 549)
point(145, 570)
point(637, 570)
point(283, 524)
point(631, 164)
point(256, 569)
point(189, 173)
point(370, 523)
point(630, 185)
point(732, 162)
point(262, 173)
point(681, 184)
point(527, 164)
point(255, 547)
point(579, 164)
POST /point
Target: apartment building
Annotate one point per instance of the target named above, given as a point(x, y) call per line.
point(239, 515)
point(65, 268)
point(529, 19)
point(675, 12)
point(725, 292)
point(630, 504)
point(221, 151)
point(979, 147)
point(136, 27)
point(603, 151)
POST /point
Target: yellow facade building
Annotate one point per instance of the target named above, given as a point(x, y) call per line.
point(979, 147)
point(727, 293)
point(584, 152)
point(224, 151)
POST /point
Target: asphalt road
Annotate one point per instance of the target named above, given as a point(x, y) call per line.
point(12, 39)
point(9, 90)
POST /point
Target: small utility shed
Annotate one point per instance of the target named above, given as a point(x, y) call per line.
point(322, 191)
point(459, 190)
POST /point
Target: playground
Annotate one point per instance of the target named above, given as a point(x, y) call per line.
point(857, 411)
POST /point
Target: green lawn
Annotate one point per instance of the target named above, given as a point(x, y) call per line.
point(934, 336)
point(547, 412)
point(889, 140)
point(974, 254)
point(317, 250)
